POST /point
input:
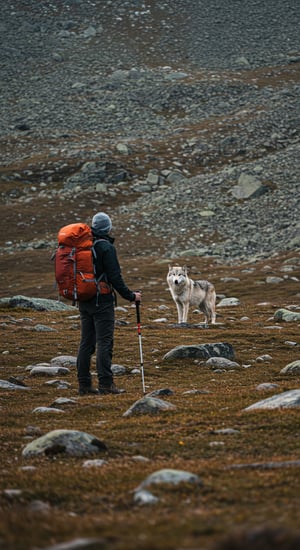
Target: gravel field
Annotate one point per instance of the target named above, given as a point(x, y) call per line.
point(184, 97)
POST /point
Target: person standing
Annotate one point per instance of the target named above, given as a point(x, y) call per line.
point(97, 315)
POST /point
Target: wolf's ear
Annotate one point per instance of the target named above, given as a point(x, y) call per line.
point(185, 269)
point(170, 267)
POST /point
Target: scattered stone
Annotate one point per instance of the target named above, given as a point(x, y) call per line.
point(149, 405)
point(33, 431)
point(196, 392)
point(264, 358)
point(140, 458)
point(5, 385)
point(291, 368)
point(248, 187)
point(222, 363)
point(291, 343)
point(17, 380)
point(265, 465)
point(47, 410)
point(39, 304)
point(69, 442)
point(285, 400)
point(118, 370)
point(59, 384)
point(64, 361)
point(145, 498)
point(201, 351)
point(43, 328)
point(170, 477)
point(96, 463)
point(267, 386)
point(230, 279)
point(228, 302)
point(286, 315)
point(64, 401)
point(30, 367)
point(49, 371)
point(162, 391)
point(274, 280)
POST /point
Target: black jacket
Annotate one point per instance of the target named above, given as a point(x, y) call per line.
point(106, 261)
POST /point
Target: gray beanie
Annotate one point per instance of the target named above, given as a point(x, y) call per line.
point(101, 224)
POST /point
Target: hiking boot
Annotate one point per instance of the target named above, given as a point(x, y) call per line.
point(104, 390)
point(87, 390)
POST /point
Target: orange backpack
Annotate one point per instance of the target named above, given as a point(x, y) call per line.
point(74, 266)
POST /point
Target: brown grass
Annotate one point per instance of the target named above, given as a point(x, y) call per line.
point(99, 502)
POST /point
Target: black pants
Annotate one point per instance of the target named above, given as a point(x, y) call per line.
point(97, 333)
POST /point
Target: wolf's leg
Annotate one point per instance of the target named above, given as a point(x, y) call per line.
point(207, 313)
point(185, 313)
point(213, 316)
point(180, 312)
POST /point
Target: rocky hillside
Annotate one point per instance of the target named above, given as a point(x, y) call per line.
point(179, 117)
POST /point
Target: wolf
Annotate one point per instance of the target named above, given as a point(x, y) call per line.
point(186, 292)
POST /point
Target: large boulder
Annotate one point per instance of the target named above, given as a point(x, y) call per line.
point(201, 351)
point(39, 304)
point(149, 405)
point(286, 400)
point(69, 442)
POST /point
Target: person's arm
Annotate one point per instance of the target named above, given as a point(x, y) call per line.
point(112, 269)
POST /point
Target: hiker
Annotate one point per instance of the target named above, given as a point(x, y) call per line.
point(97, 314)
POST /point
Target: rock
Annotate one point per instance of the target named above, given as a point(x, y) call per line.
point(43, 328)
point(228, 302)
point(196, 392)
point(64, 401)
point(64, 361)
point(285, 400)
point(118, 370)
point(69, 442)
point(162, 391)
point(202, 351)
point(264, 358)
point(274, 280)
point(291, 368)
point(248, 187)
point(266, 465)
point(222, 363)
point(5, 385)
point(170, 476)
point(286, 315)
point(39, 304)
point(59, 384)
point(47, 410)
point(49, 371)
point(17, 380)
point(144, 497)
point(95, 463)
point(267, 386)
point(148, 405)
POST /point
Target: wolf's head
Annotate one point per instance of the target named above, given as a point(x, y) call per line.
point(177, 275)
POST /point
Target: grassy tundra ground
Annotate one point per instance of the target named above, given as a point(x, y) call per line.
point(98, 502)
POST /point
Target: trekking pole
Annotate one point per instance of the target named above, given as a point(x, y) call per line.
point(138, 318)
